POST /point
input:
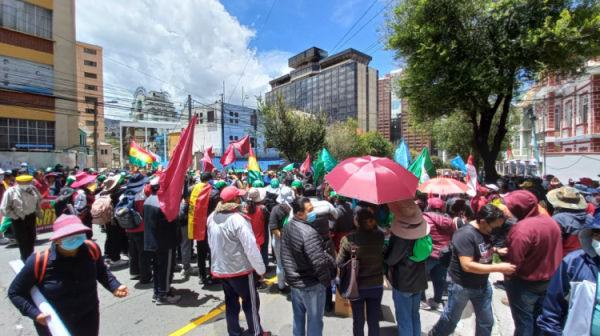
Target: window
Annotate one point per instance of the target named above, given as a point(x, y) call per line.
point(236, 120)
point(103, 151)
point(89, 110)
point(91, 87)
point(22, 133)
point(89, 123)
point(231, 121)
point(200, 114)
point(91, 100)
point(557, 117)
point(253, 119)
point(89, 51)
point(236, 114)
point(90, 75)
point(252, 143)
point(90, 63)
point(517, 142)
point(26, 18)
point(210, 115)
point(231, 114)
point(231, 137)
point(569, 115)
point(236, 137)
point(584, 109)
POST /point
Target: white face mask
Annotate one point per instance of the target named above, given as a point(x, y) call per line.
point(596, 246)
point(24, 186)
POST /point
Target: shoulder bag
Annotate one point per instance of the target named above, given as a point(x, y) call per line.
point(348, 278)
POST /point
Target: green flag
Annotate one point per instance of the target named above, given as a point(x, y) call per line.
point(319, 171)
point(422, 167)
point(289, 167)
point(327, 160)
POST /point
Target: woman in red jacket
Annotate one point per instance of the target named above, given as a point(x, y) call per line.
point(259, 218)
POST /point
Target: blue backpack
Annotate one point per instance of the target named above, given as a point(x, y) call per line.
point(125, 213)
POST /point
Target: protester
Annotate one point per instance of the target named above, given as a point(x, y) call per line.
point(277, 220)
point(457, 208)
point(441, 231)
point(66, 274)
point(470, 266)
point(54, 184)
point(274, 187)
point(569, 212)
point(140, 260)
point(535, 247)
point(326, 214)
point(161, 237)
point(259, 218)
point(407, 276)
point(236, 260)
point(368, 243)
point(83, 199)
point(23, 204)
point(40, 182)
point(344, 224)
point(307, 268)
point(286, 192)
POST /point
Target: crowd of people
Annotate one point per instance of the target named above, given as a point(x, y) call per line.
point(541, 235)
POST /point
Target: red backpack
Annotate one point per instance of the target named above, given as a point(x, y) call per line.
point(42, 256)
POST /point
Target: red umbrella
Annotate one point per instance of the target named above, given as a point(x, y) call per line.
point(372, 179)
point(443, 186)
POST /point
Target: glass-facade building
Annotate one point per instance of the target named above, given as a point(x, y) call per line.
point(341, 86)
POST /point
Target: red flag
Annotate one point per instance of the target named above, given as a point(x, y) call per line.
point(173, 177)
point(229, 156)
point(305, 168)
point(242, 145)
point(207, 159)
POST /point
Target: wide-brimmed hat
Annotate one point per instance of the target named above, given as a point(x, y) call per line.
point(526, 184)
point(24, 178)
point(257, 195)
point(136, 183)
point(52, 174)
point(567, 198)
point(585, 181)
point(67, 225)
point(408, 220)
point(286, 195)
point(555, 181)
point(111, 183)
point(81, 179)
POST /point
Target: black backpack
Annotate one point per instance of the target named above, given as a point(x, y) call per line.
point(65, 197)
point(126, 215)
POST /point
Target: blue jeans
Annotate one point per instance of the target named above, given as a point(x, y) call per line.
point(525, 307)
point(458, 297)
point(407, 312)
point(437, 272)
point(308, 302)
point(372, 298)
point(280, 273)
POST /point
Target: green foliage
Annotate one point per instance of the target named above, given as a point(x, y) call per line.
point(378, 145)
point(292, 132)
point(413, 154)
point(342, 142)
point(472, 57)
point(438, 163)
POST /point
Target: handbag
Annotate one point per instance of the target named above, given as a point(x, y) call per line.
point(348, 278)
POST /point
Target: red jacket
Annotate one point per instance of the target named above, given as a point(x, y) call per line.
point(590, 209)
point(441, 231)
point(140, 198)
point(257, 219)
point(535, 242)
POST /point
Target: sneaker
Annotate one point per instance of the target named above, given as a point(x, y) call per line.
point(4, 241)
point(424, 306)
point(437, 306)
point(285, 291)
point(178, 268)
point(202, 280)
point(135, 277)
point(262, 286)
point(153, 298)
point(168, 299)
point(189, 271)
point(499, 285)
point(119, 263)
point(13, 242)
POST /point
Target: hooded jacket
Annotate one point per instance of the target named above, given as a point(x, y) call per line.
point(441, 231)
point(578, 265)
point(534, 243)
point(325, 213)
point(571, 222)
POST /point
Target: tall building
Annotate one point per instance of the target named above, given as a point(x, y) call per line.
point(38, 75)
point(415, 139)
point(342, 86)
point(153, 106)
point(90, 88)
point(384, 106)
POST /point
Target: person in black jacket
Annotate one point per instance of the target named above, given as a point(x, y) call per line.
point(277, 219)
point(407, 276)
point(161, 237)
point(307, 268)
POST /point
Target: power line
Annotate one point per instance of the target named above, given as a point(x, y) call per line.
point(354, 25)
point(361, 28)
point(250, 57)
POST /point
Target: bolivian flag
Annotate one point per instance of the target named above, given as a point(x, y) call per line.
point(138, 156)
point(253, 169)
point(198, 211)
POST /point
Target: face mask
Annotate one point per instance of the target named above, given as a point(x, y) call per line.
point(24, 186)
point(311, 217)
point(596, 246)
point(73, 242)
point(496, 231)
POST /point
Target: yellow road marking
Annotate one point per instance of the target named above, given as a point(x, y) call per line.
point(213, 313)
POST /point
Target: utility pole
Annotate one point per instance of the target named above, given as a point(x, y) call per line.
point(189, 108)
point(223, 121)
point(96, 134)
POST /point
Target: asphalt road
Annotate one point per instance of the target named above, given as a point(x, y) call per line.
point(198, 313)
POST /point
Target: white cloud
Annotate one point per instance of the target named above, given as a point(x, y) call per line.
point(193, 44)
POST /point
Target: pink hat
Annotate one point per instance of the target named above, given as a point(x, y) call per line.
point(81, 179)
point(66, 225)
point(229, 193)
point(435, 203)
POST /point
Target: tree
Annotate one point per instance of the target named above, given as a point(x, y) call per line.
point(472, 57)
point(293, 133)
point(378, 145)
point(342, 142)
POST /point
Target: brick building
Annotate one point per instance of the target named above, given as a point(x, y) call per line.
point(38, 81)
point(384, 106)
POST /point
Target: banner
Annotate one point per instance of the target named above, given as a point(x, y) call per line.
point(48, 215)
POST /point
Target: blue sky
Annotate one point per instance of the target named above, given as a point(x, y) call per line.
point(295, 26)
